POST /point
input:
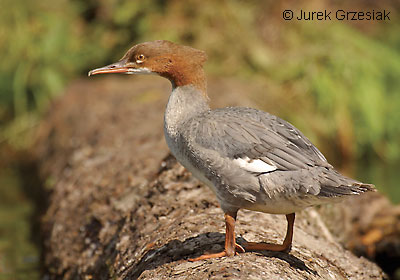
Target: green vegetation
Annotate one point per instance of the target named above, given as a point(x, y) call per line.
point(352, 82)
point(19, 257)
point(345, 79)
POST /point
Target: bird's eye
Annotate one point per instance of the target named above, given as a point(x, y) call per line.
point(140, 58)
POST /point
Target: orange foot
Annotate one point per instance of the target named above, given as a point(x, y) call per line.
point(238, 249)
point(254, 246)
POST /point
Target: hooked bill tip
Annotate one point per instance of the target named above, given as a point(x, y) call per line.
point(91, 72)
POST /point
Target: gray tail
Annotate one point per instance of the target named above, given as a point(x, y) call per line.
point(334, 184)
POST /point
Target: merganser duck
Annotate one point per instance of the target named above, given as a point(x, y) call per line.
point(249, 158)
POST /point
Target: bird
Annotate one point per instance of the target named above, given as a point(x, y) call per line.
point(249, 158)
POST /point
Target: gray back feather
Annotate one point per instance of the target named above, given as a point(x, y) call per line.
point(222, 135)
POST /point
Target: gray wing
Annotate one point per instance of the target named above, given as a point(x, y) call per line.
point(248, 141)
point(255, 135)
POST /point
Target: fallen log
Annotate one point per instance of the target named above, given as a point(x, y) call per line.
point(120, 207)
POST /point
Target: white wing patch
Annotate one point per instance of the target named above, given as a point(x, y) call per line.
point(254, 165)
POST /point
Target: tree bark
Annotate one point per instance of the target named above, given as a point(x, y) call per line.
point(120, 207)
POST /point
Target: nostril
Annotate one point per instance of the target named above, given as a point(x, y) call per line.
point(113, 66)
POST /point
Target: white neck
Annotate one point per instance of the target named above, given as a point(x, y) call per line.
point(184, 103)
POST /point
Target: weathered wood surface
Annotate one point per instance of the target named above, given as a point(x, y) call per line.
point(118, 210)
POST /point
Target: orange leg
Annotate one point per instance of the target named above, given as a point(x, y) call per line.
point(284, 247)
point(231, 247)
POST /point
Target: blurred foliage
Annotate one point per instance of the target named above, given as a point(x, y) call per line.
point(342, 79)
point(19, 257)
point(354, 87)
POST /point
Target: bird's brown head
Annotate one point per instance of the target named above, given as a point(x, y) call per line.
point(182, 65)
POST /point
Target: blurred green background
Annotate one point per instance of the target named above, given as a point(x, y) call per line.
point(338, 81)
